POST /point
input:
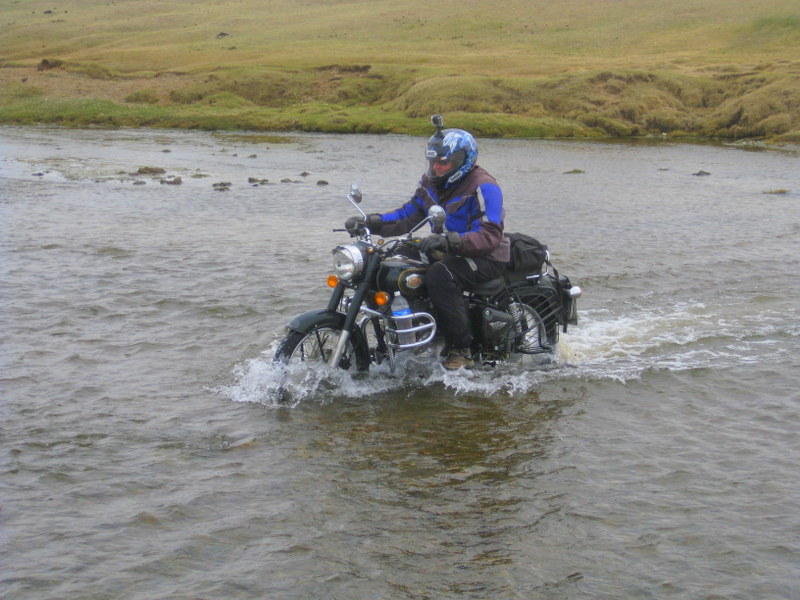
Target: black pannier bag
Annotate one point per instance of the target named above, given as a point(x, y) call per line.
point(527, 254)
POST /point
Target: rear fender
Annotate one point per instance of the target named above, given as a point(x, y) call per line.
point(544, 298)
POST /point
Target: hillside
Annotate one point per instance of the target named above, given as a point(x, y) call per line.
point(577, 68)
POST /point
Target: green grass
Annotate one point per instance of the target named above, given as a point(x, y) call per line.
point(533, 68)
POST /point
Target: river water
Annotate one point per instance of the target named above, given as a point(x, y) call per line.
point(144, 455)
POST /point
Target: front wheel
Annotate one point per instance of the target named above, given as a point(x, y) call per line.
point(315, 345)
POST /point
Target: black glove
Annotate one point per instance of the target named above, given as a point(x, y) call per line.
point(353, 224)
point(433, 242)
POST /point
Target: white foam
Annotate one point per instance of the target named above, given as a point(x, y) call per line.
point(603, 346)
point(260, 380)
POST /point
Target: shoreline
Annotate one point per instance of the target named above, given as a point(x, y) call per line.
point(71, 96)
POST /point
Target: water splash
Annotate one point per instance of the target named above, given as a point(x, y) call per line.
point(603, 347)
point(262, 381)
point(677, 338)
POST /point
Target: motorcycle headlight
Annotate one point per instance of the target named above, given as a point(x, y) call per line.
point(348, 262)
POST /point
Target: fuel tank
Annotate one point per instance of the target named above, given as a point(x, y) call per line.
point(402, 275)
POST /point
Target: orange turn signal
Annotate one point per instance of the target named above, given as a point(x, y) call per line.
point(332, 280)
point(381, 298)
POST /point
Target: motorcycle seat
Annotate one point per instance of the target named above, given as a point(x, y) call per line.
point(491, 287)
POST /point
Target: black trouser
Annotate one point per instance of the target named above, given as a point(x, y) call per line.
point(446, 281)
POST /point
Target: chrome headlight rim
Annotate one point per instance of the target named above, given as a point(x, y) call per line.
point(348, 262)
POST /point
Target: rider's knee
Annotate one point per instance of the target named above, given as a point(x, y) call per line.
point(437, 275)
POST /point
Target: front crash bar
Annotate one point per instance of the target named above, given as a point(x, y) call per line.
point(429, 325)
point(392, 347)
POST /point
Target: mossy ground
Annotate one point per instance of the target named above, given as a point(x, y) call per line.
point(580, 68)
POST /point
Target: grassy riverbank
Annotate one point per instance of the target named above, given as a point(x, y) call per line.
point(578, 68)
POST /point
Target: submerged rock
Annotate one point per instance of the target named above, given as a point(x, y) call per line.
point(150, 171)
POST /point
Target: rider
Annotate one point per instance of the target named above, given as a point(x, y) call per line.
point(476, 250)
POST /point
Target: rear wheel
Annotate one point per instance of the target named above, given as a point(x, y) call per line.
point(536, 332)
point(529, 329)
point(316, 345)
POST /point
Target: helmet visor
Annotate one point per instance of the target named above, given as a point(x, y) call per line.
point(441, 165)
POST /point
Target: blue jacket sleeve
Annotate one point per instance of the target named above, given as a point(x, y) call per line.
point(487, 236)
point(403, 219)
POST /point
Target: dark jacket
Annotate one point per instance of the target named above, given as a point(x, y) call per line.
point(474, 208)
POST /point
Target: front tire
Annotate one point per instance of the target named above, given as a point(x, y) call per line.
point(315, 345)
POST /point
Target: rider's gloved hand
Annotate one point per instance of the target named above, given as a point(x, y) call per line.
point(354, 224)
point(432, 243)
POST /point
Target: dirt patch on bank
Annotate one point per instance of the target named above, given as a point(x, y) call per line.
point(60, 83)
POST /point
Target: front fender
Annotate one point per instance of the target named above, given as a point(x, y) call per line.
point(315, 318)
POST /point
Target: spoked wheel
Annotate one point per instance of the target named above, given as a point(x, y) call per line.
point(534, 335)
point(316, 346)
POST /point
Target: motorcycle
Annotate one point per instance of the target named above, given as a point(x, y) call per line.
point(379, 307)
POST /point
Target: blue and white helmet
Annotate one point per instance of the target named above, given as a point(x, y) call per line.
point(455, 145)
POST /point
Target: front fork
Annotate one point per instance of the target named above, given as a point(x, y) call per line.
point(353, 307)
